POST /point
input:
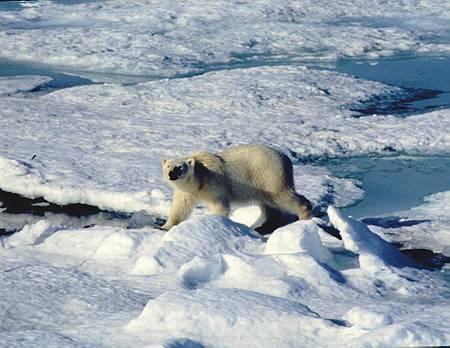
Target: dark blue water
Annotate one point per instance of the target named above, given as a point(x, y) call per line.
point(426, 78)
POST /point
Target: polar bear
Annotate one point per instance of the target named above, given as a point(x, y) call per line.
point(241, 174)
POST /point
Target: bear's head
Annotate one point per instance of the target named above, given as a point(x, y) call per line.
point(180, 174)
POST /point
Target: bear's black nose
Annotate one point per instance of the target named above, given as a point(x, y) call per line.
point(175, 173)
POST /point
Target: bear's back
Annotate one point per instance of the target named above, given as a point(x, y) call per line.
point(257, 167)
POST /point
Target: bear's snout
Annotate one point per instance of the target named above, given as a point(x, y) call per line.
point(175, 173)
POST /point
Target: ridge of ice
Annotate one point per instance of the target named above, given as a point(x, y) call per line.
point(374, 252)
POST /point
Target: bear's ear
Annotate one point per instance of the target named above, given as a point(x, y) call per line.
point(191, 161)
point(163, 161)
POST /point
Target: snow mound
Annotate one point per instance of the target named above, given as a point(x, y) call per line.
point(414, 334)
point(374, 252)
point(307, 276)
point(230, 317)
point(102, 244)
point(203, 236)
point(367, 319)
point(32, 234)
point(301, 236)
point(282, 275)
point(113, 247)
point(201, 270)
point(259, 275)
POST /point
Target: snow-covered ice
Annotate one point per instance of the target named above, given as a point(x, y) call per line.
point(287, 239)
point(102, 144)
point(212, 75)
point(367, 319)
point(216, 285)
point(373, 251)
point(425, 226)
point(158, 38)
point(16, 84)
point(106, 150)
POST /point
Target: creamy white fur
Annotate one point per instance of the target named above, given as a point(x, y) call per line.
point(242, 174)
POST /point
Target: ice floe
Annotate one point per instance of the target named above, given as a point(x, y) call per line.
point(178, 37)
point(102, 144)
point(112, 159)
point(217, 283)
point(215, 74)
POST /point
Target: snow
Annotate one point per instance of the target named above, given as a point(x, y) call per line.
point(32, 234)
point(373, 251)
point(114, 160)
point(425, 226)
point(37, 338)
point(229, 317)
point(215, 285)
point(42, 303)
point(14, 222)
point(102, 144)
point(201, 237)
point(415, 334)
point(212, 75)
point(17, 84)
point(302, 236)
point(367, 319)
point(156, 38)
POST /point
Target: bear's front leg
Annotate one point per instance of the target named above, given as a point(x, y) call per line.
point(182, 205)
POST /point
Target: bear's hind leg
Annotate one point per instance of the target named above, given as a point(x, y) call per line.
point(274, 218)
point(294, 203)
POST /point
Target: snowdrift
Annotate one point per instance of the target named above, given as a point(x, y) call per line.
point(211, 281)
